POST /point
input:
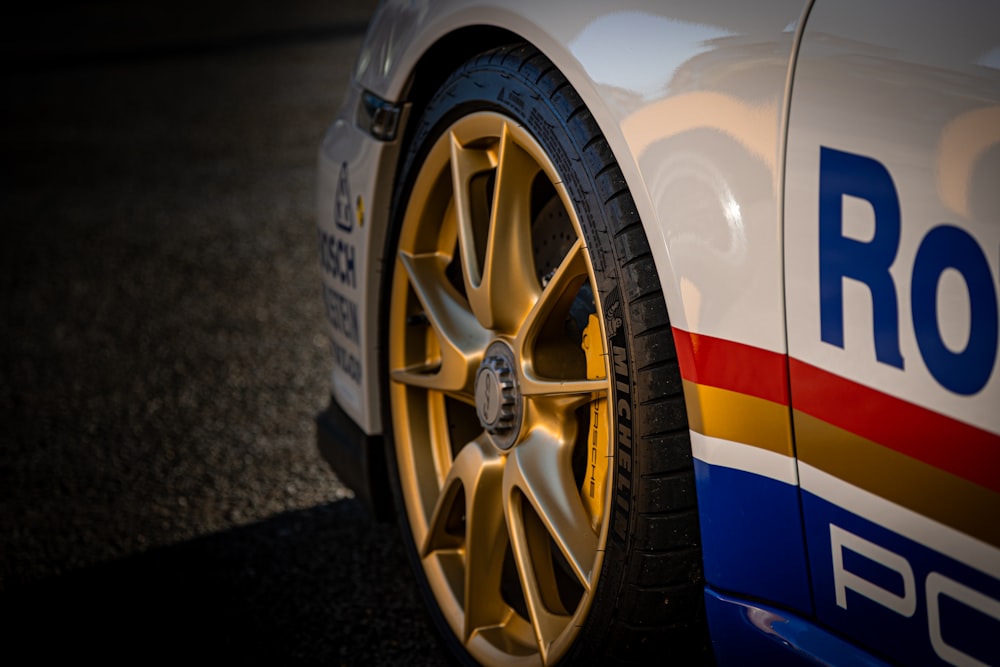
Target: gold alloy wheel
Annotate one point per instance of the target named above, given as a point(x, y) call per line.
point(498, 395)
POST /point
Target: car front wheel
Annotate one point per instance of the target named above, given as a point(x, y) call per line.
point(538, 445)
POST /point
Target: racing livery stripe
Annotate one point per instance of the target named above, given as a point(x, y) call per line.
point(915, 590)
point(728, 454)
point(732, 416)
point(716, 362)
point(923, 530)
point(738, 407)
point(735, 392)
point(932, 438)
point(862, 463)
point(752, 533)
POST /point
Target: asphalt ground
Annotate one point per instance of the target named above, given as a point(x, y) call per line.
point(163, 350)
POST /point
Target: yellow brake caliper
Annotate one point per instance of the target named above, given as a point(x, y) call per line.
point(595, 479)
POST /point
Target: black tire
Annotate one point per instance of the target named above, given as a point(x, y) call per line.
point(642, 596)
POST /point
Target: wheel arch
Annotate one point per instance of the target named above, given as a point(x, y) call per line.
point(710, 116)
point(730, 289)
point(433, 61)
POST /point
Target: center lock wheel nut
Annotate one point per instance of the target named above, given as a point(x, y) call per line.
point(498, 401)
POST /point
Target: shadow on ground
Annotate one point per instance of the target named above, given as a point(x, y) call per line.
point(162, 346)
point(316, 586)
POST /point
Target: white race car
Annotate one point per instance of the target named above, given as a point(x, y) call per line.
point(669, 329)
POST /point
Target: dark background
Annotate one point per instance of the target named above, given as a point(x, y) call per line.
point(163, 349)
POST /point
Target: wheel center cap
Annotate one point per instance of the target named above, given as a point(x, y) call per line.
point(488, 397)
point(498, 400)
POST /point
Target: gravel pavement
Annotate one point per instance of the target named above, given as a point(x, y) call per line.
point(163, 355)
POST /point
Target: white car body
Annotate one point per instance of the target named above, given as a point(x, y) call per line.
point(720, 115)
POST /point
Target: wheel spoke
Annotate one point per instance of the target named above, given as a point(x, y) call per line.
point(460, 338)
point(466, 164)
point(485, 545)
point(540, 469)
point(558, 293)
point(508, 287)
point(477, 472)
point(440, 534)
point(536, 578)
point(556, 297)
point(577, 391)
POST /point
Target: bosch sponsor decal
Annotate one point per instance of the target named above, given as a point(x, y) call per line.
point(338, 256)
point(344, 215)
point(342, 314)
point(340, 262)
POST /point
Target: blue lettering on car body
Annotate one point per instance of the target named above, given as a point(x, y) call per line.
point(944, 247)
